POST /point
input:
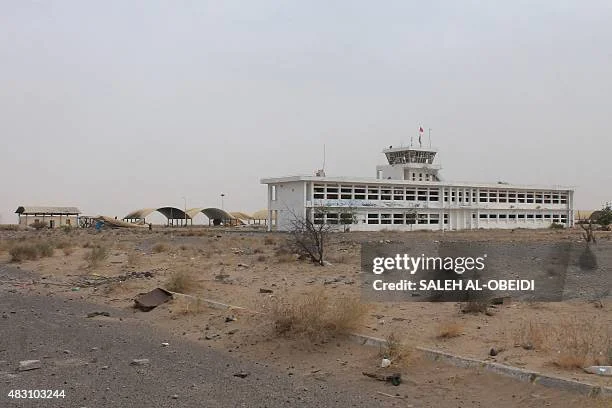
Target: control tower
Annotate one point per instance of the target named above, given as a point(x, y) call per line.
point(409, 163)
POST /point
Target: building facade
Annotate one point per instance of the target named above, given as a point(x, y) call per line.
point(409, 194)
point(49, 217)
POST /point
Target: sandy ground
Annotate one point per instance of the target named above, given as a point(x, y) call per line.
point(233, 266)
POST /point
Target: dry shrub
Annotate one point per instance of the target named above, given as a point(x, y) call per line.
point(269, 241)
point(5, 245)
point(63, 244)
point(181, 281)
point(9, 227)
point(44, 249)
point(160, 247)
point(317, 317)
point(475, 306)
point(261, 258)
point(30, 252)
point(579, 343)
point(449, 330)
point(573, 343)
point(134, 258)
point(338, 258)
point(399, 353)
point(188, 306)
point(531, 335)
point(68, 251)
point(23, 252)
point(96, 256)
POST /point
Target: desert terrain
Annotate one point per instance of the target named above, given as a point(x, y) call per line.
point(259, 272)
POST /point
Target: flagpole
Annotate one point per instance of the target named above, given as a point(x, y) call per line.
point(429, 133)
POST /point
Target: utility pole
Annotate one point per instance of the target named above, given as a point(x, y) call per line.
point(185, 209)
point(222, 195)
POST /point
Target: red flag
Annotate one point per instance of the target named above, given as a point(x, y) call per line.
point(420, 129)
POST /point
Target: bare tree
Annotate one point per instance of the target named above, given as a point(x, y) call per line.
point(587, 225)
point(309, 234)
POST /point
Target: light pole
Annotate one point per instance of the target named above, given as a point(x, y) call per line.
point(185, 210)
point(222, 195)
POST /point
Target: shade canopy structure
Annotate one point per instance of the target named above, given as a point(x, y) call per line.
point(262, 216)
point(173, 215)
point(241, 215)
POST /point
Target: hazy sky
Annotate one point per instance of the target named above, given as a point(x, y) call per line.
point(117, 105)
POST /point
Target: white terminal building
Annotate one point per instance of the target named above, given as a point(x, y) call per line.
point(409, 194)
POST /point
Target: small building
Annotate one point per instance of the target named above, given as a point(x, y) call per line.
point(50, 217)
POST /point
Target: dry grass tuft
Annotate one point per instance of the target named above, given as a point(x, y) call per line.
point(68, 251)
point(574, 343)
point(160, 247)
point(96, 256)
point(182, 282)
point(579, 343)
point(269, 241)
point(317, 317)
point(449, 330)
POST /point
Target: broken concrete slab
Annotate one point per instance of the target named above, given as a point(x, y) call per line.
point(150, 300)
point(27, 365)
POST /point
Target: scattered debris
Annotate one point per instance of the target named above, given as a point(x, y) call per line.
point(599, 370)
point(527, 346)
point(150, 300)
point(329, 281)
point(165, 344)
point(27, 365)
point(501, 300)
point(231, 318)
point(262, 290)
point(96, 280)
point(395, 379)
point(243, 265)
point(241, 374)
point(389, 395)
point(94, 314)
point(385, 362)
point(140, 362)
point(493, 352)
point(175, 396)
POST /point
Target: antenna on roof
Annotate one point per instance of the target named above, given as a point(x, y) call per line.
point(323, 168)
point(321, 171)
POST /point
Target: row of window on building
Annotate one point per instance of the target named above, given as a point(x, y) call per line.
point(434, 218)
point(456, 194)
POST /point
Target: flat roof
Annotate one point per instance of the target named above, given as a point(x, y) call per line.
point(32, 210)
point(365, 180)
